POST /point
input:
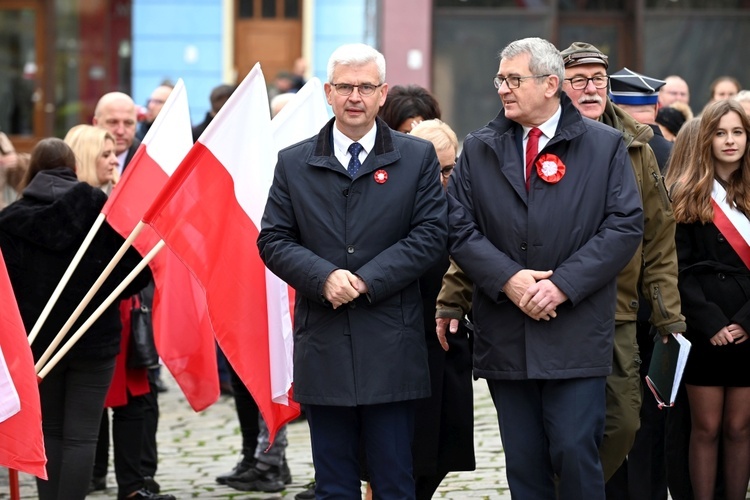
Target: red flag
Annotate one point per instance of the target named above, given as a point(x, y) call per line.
point(21, 440)
point(182, 329)
point(209, 214)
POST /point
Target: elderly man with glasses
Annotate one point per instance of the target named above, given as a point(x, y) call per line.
point(543, 212)
point(355, 216)
point(653, 267)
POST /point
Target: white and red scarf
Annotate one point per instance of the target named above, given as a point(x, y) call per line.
point(732, 223)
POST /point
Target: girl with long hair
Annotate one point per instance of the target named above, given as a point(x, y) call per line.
point(711, 200)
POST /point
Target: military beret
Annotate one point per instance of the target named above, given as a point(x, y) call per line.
point(583, 53)
point(629, 87)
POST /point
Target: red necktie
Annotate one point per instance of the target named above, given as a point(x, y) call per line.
point(532, 149)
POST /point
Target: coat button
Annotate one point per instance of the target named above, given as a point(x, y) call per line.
point(523, 246)
point(721, 276)
point(350, 249)
point(352, 305)
point(345, 192)
point(721, 238)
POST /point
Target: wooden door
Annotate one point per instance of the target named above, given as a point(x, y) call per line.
point(269, 32)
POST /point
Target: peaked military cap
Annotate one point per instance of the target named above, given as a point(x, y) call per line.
point(628, 87)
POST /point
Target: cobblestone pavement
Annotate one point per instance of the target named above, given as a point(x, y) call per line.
point(196, 447)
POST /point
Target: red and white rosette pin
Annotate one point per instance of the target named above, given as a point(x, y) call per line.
point(380, 176)
point(550, 168)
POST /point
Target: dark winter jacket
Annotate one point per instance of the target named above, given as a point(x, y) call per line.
point(39, 235)
point(388, 225)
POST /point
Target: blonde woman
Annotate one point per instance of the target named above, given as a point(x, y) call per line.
point(96, 162)
point(445, 141)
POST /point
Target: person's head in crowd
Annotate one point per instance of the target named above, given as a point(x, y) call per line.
point(49, 153)
point(529, 81)
point(675, 89)
point(683, 151)
point(279, 101)
point(670, 120)
point(116, 113)
point(284, 82)
point(721, 153)
point(636, 94)
point(724, 87)
point(743, 97)
point(586, 80)
point(406, 106)
point(94, 148)
point(219, 96)
point(156, 101)
point(356, 88)
point(445, 141)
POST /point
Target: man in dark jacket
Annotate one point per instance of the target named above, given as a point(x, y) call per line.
point(544, 211)
point(653, 267)
point(353, 241)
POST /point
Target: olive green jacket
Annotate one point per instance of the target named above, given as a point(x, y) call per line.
point(654, 263)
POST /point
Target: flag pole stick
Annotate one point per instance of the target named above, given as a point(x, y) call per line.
point(90, 295)
point(65, 278)
point(15, 488)
point(100, 310)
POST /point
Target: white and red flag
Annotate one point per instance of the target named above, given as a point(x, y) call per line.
point(21, 439)
point(182, 330)
point(209, 214)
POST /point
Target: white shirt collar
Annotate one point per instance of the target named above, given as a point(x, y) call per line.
point(341, 143)
point(548, 128)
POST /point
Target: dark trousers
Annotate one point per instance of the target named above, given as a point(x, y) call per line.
point(149, 454)
point(72, 400)
point(387, 431)
point(247, 414)
point(552, 428)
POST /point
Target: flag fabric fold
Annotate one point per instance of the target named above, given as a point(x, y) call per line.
point(21, 439)
point(182, 331)
point(209, 214)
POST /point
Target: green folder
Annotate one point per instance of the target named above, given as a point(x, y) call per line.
point(665, 371)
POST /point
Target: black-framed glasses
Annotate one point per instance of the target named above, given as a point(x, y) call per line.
point(365, 89)
point(448, 169)
point(581, 82)
point(513, 82)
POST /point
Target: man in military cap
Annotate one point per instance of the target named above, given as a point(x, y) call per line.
point(638, 96)
point(654, 265)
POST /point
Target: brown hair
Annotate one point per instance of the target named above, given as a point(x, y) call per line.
point(692, 194)
point(48, 154)
point(683, 152)
point(407, 102)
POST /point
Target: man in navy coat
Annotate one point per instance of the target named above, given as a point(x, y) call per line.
point(355, 215)
point(543, 244)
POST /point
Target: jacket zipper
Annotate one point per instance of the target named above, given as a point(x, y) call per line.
point(658, 299)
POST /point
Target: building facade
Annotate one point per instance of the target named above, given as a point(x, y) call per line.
point(57, 57)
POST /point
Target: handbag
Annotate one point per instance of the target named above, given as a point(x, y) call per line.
point(141, 350)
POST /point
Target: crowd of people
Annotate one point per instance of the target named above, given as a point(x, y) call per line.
point(547, 253)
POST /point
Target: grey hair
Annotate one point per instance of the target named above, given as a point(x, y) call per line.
point(742, 96)
point(544, 58)
point(356, 54)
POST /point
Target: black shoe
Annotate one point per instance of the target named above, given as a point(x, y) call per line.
point(308, 494)
point(241, 467)
point(151, 485)
point(144, 494)
point(98, 484)
point(254, 479)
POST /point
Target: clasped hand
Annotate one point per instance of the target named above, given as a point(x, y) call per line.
point(534, 293)
point(733, 333)
point(341, 287)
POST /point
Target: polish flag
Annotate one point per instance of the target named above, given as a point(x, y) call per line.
point(21, 439)
point(182, 329)
point(209, 213)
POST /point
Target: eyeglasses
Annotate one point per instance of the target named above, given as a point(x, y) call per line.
point(581, 82)
point(513, 82)
point(365, 89)
point(447, 170)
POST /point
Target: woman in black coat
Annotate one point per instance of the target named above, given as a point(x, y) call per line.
point(39, 235)
point(711, 200)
